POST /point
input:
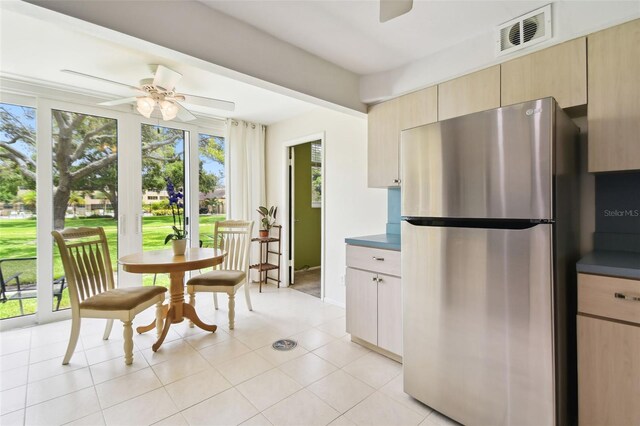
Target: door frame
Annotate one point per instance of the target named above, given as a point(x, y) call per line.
point(286, 220)
point(291, 262)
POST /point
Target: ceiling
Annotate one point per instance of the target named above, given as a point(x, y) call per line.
point(35, 50)
point(348, 32)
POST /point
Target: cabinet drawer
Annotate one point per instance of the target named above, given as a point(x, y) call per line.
point(374, 260)
point(609, 297)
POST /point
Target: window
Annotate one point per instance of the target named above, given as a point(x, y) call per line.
point(162, 158)
point(316, 175)
point(85, 182)
point(77, 175)
point(212, 195)
point(17, 210)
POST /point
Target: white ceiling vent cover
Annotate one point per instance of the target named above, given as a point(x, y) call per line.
point(524, 31)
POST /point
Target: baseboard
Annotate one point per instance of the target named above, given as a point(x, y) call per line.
point(333, 302)
point(377, 349)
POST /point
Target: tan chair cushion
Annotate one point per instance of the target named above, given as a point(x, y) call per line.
point(218, 277)
point(121, 299)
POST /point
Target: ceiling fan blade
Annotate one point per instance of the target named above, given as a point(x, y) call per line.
point(118, 101)
point(209, 102)
point(166, 78)
point(390, 9)
point(81, 74)
point(184, 114)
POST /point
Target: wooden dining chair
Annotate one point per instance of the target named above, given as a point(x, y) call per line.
point(234, 237)
point(87, 266)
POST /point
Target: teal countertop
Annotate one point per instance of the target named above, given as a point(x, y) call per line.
point(382, 241)
point(614, 263)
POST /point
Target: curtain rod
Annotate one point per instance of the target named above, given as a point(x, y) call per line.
point(235, 123)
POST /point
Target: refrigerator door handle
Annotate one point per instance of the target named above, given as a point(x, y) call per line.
point(516, 224)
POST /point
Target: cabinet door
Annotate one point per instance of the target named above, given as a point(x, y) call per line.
point(608, 372)
point(384, 143)
point(559, 71)
point(419, 108)
point(470, 93)
point(390, 313)
point(614, 98)
point(362, 305)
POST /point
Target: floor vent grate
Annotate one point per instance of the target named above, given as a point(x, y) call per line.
point(284, 344)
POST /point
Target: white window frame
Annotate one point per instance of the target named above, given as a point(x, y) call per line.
point(45, 246)
point(31, 102)
point(195, 182)
point(129, 176)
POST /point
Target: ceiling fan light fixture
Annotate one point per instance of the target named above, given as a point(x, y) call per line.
point(169, 110)
point(145, 106)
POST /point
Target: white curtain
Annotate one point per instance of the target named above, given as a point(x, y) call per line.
point(246, 171)
point(246, 175)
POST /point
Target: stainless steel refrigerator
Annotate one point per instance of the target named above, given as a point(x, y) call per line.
point(489, 244)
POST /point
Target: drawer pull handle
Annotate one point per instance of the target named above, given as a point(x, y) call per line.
point(374, 279)
point(381, 259)
point(627, 297)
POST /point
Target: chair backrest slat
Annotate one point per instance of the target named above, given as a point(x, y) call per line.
point(86, 262)
point(103, 273)
point(88, 270)
point(234, 237)
point(95, 272)
point(86, 282)
point(73, 272)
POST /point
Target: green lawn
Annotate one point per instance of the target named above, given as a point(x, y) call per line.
point(18, 239)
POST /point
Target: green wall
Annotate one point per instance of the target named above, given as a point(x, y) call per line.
point(307, 236)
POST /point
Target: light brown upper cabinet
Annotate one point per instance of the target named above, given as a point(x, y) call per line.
point(386, 120)
point(419, 108)
point(559, 71)
point(383, 146)
point(614, 98)
point(470, 93)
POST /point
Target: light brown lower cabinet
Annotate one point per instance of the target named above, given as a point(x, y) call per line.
point(608, 355)
point(374, 299)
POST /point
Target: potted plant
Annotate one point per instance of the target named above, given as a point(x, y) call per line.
point(268, 219)
point(178, 237)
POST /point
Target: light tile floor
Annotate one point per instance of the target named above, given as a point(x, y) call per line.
point(199, 378)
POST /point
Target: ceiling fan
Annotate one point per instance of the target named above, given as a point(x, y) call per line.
point(160, 92)
point(390, 9)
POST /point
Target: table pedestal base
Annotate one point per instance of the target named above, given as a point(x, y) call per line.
point(175, 313)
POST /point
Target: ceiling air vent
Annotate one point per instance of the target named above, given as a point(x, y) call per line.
point(524, 31)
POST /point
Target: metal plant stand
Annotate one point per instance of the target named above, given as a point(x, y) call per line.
point(269, 259)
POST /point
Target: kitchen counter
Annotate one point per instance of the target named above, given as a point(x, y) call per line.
point(614, 263)
point(382, 241)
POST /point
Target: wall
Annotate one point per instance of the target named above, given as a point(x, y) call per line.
point(307, 235)
point(571, 19)
point(235, 48)
point(350, 208)
point(393, 211)
point(618, 211)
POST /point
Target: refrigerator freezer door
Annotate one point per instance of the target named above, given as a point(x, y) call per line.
point(477, 323)
point(491, 164)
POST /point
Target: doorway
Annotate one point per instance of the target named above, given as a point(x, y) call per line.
point(305, 217)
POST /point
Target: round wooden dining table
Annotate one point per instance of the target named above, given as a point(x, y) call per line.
point(164, 261)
